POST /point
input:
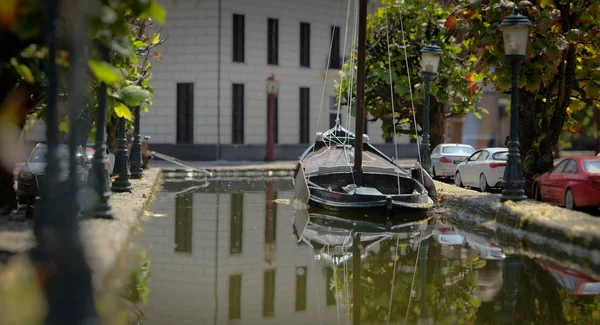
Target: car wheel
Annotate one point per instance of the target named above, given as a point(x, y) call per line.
point(569, 200)
point(457, 180)
point(433, 175)
point(537, 193)
point(483, 184)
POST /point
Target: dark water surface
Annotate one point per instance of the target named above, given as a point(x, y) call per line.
point(233, 252)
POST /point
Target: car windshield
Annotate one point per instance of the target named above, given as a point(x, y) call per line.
point(592, 166)
point(502, 155)
point(38, 155)
point(459, 150)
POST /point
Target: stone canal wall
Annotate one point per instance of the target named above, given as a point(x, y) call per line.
point(527, 225)
point(106, 241)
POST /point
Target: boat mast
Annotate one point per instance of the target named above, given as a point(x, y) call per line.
point(360, 93)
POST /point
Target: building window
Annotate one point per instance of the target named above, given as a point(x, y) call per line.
point(275, 119)
point(304, 114)
point(272, 41)
point(237, 223)
point(332, 117)
point(183, 223)
point(185, 112)
point(334, 60)
point(237, 125)
point(269, 294)
point(301, 288)
point(235, 296)
point(332, 110)
point(238, 38)
point(330, 292)
point(305, 45)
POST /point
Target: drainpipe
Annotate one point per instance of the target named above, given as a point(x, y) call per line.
point(218, 156)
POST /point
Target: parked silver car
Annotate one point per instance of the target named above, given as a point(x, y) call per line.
point(446, 156)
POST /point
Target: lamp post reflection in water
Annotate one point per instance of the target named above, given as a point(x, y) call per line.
point(270, 222)
point(424, 317)
point(356, 292)
point(511, 274)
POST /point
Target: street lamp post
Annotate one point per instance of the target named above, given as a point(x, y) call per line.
point(516, 31)
point(121, 184)
point(272, 89)
point(430, 60)
point(135, 158)
point(99, 174)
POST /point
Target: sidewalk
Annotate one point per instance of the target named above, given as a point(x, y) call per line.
point(105, 240)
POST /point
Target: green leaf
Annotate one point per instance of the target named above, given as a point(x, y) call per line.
point(477, 115)
point(138, 44)
point(545, 3)
point(475, 302)
point(156, 39)
point(156, 12)
point(133, 95)
point(591, 89)
point(64, 126)
point(123, 111)
point(105, 72)
point(23, 71)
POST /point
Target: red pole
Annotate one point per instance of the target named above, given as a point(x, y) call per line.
point(270, 149)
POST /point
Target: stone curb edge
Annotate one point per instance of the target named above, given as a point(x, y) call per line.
point(120, 260)
point(550, 221)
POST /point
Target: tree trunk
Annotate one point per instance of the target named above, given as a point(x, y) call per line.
point(541, 123)
point(597, 117)
point(436, 120)
point(112, 131)
point(536, 142)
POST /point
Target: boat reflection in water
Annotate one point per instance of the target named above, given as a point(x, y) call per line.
point(343, 241)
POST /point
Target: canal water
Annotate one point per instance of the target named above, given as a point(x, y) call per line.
point(237, 252)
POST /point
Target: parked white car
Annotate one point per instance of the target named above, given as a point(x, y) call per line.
point(446, 156)
point(109, 160)
point(445, 235)
point(484, 169)
point(487, 250)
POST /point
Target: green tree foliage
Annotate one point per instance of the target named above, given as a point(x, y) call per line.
point(559, 75)
point(422, 23)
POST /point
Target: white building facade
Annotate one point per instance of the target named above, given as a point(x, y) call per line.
point(210, 99)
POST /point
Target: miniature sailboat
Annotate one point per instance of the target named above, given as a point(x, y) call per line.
point(342, 169)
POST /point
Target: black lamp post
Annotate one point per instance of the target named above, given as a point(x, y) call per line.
point(516, 31)
point(511, 274)
point(425, 317)
point(135, 158)
point(430, 60)
point(121, 184)
point(99, 175)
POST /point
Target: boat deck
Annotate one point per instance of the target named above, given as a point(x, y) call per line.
point(336, 158)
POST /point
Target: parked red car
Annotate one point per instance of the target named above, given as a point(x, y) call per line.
point(574, 182)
